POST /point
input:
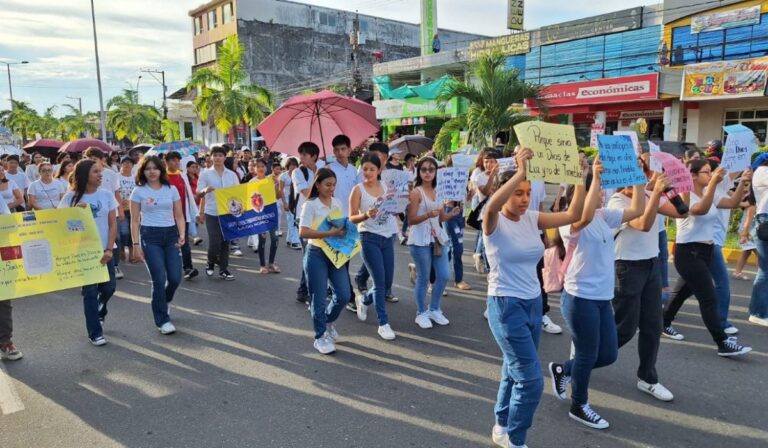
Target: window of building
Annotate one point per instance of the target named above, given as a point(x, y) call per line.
point(211, 19)
point(226, 13)
point(198, 23)
point(189, 131)
point(722, 45)
point(327, 19)
point(205, 54)
point(757, 120)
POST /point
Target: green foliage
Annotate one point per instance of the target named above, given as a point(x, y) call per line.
point(127, 118)
point(21, 119)
point(589, 151)
point(76, 124)
point(443, 140)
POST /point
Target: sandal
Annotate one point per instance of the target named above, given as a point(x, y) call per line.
point(464, 286)
point(274, 269)
point(263, 270)
point(741, 276)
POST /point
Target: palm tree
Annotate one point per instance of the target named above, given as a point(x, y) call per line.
point(127, 118)
point(47, 125)
point(76, 124)
point(226, 96)
point(491, 96)
point(21, 119)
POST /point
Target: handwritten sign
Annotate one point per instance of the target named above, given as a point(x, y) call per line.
point(739, 148)
point(676, 171)
point(463, 161)
point(452, 184)
point(635, 141)
point(507, 164)
point(396, 191)
point(555, 152)
point(655, 163)
point(338, 249)
point(618, 157)
point(736, 128)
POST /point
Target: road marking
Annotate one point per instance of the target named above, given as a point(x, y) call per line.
point(9, 398)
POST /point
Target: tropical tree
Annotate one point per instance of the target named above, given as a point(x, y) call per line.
point(21, 119)
point(170, 131)
point(491, 92)
point(47, 125)
point(127, 118)
point(226, 98)
point(76, 124)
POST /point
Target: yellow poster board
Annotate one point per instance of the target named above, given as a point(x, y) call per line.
point(338, 249)
point(555, 152)
point(49, 250)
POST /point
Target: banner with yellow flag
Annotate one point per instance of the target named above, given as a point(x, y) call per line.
point(49, 250)
point(247, 209)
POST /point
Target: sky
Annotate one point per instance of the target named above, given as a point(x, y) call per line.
point(56, 38)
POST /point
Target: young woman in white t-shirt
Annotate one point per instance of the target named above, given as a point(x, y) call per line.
point(694, 248)
point(258, 169)
point(586, 299)
point(292, 239)
point(514, 248)
point(318, 268)
point(481, 183)
point(157, 231)
point(45, 193)
point(63, 171)
point(10, 192)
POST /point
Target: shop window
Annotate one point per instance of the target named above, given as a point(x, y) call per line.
point(747, 114)
point(761, 114)
point(189, 130)
point(732, 115)
point(731, 122)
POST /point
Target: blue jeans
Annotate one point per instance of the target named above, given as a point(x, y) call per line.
point(379, 258)
point(163, 260)
point(455, 229)
point(664, 258)
point(758, 305)
point(95, 298)
point(319, 273)
point(516, 326)
point(424, 259)
point(719, 271)
point(123, 239)
point(594, 335)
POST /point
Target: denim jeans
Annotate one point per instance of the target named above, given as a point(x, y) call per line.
point(94, 297)
point(758, 305)
point(455, 229)
point(637, 304)
point(123, 239)
point(263, 247)
point(594, 336)
point(721, 277)
point(516, 326)
point(664, 258)
point(320, 272)
point(424, 260)
point(293, 229)
point(163, 260)
point(379, 258)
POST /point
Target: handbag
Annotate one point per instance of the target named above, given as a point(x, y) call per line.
point(473, 220)
point(437, 249)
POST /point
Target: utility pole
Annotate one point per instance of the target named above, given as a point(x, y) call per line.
point(102, 113)
point(10, 87)
point(162, 82)
point(354, 39)
point(79, 102)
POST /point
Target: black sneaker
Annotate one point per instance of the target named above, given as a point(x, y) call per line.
point(189, 274)
point(585, 415)
point(225, 275)
point(559, 380)
point(302, 297)
point(391, 299)
point(670, 332)
point(209, 269)
point(730, 347)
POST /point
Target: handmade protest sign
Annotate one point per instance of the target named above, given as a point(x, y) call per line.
point(49, 250)
point(452, 184)
point(618, 156)
point(676, 171)
point(463, 161)
point(635, 141)
point(338, 249)
point(555, 152)
point(247, 209)
point(736, 128)
point(655, 163)
point(396, 188)
point(739, 148)
point(507, 164)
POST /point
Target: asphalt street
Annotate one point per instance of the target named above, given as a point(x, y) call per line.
point(241, 372)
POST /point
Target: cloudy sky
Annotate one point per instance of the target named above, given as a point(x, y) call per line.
point(56, 38)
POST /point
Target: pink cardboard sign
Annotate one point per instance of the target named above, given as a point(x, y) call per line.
point(676, 171)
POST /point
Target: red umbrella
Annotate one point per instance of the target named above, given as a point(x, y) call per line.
point(318, 118)
point(81, 144)
point(43, 143)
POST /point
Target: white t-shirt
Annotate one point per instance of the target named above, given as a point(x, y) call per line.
point(210, 178)
point(346, 179)
point(479, 179)
point(632, 244)
point(285, 178)
point(314, 210)
point(125, 185)
point(21, 179)
point(156, 205)
point(109, 180)
point(760, 185)
point(538, 195)
point(513, 250)
point(32, 173)
point(724, 214)
point(701, 228)
point(4, 210)
point(7, 194)
point(299, 184)
point(47, 196)
point(591, 272)
point(101, 203)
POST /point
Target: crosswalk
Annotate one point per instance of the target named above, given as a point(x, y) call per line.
point(10, 402)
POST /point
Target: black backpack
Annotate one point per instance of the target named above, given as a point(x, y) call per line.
point(293, 198)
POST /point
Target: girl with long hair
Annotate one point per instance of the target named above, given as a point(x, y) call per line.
point(258, 171)
point(481, 183)
point(63, 172)
point(10, 191)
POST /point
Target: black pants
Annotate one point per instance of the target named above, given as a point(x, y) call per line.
point(692, 262)
point(544, 297)
point(186, 250)
point(637, 304)
point(218, 249)
point(6, 321)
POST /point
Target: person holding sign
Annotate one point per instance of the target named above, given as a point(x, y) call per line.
point(258, 169)
point(318, 268)
point(157, 231)
point(377, 232)
point(87, 193)
point(8, 349)
point(588, 291)
point(694, 252)
point(427, 241)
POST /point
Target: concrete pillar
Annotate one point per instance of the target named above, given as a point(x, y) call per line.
point(673, 121)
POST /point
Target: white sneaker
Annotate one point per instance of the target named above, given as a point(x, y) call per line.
point(499, 436)
point(655, 390)
point(423, 321)
point(485, 313)
point(479, 265)
point(98, 342)
point(386, 333)
point(550, 327)
point(438, 317)
point(237, 253)
point(412, 273)
point(167, 328)
point(325, 345)
point(362, 309)
point(731, 330)
point(118, 273)
point(758, 320)
point(332, 333)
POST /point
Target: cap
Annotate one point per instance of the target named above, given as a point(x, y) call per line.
point(395, 151)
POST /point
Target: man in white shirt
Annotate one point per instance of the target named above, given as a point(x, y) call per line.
point(15, 174)
point(346, 173)
point(302, 179)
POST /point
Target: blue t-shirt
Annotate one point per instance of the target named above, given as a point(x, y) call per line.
point(156, 205)
point(101, 203)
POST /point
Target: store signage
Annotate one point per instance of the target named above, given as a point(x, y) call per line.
point(518, 43)
point(610, 90)
point(628, 19)
point(428, 25)
point(726, 19)
point(727, 79)
point(515, 13)
point(635, 114)
point(414, 108)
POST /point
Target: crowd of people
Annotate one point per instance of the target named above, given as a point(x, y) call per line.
point(604, 252)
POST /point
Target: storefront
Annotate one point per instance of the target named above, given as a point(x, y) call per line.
point(411, 116)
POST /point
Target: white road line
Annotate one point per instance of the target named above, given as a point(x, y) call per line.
point(9, 398)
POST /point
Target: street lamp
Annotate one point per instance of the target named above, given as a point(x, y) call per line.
point(98, 77)
point(8, 68)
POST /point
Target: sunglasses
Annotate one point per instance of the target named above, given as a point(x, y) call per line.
point(427, 170)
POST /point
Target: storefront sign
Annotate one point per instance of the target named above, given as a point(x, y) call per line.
point(515, 12)
point(518, 43)
point(728, 79)
point(428, 25)
point(635, 114)
point(414, 108)
point(611, 90)
point(628, 19)
point(725, 20)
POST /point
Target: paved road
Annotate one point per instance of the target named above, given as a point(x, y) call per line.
point(241, 371)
